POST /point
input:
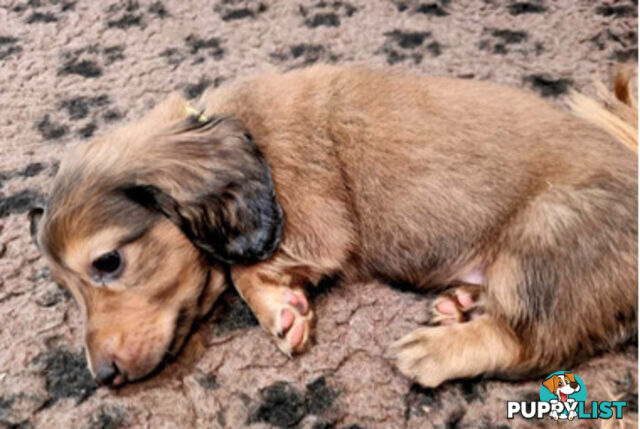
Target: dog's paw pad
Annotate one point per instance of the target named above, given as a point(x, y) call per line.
point(286, 314)
point(286, 321)
point(457, 305)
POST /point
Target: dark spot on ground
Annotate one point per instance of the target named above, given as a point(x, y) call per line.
point(327, 14)
point(67, 6)
point(509, 36)
point(401, 6)
point(127, 6)
point(66, 375)
point(408, 39)
point(194, 90)
point(50, 130)
point(434, 48)
point(86, 68)
point(78, 107)
point(173, 55)
point(503, 38)
point(108, 418)
point(5, 405)
point(549, 87)
point(228, 13)
point(54, 295)
point(212, 46)
point(4, 40)
point(408, 42)
point(433, 9)
point(353, 426)
point(311, 53)
point(454, 418)
point(232, 314)
point(125, 21)
point(88, 130)
point(158, 9)
point(113, 54)
point(32, 169)
point(319, 396)
point(282, 405)
point(112, 115)
point(499, 49)
point(4, 53)
point(41, 17)
point(305, 54)
point(519, 8)
point(208, 381)
point(625, 55)
point(12, 48)
point(417, 398)
point(616, 11)
point(323, 19)
point(237, 14)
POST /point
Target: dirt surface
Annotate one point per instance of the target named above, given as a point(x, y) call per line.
point(72, 69)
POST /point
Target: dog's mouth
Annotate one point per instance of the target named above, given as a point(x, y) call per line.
point(563, 397)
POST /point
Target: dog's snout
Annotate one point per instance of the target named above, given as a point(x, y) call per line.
point(574, 385)
point(108, 374)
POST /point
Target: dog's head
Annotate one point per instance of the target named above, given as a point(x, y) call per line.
point(562, 385)
point(140, 224)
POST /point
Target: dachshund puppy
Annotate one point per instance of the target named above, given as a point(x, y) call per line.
point(527, 214)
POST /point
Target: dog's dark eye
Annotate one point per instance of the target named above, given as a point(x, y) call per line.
point(560, 383)
point(108, 265)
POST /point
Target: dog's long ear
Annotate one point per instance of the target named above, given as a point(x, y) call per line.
point(210, 179)
point(551, 384)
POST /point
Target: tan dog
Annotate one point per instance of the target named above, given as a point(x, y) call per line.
point(290, 177)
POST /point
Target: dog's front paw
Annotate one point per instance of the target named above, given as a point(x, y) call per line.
point(285, 313)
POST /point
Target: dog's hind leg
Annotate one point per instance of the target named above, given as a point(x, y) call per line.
point(566, 263)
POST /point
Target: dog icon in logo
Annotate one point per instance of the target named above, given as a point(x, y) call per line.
point(562, 385)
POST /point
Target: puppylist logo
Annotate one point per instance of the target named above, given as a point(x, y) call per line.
point(563, 397)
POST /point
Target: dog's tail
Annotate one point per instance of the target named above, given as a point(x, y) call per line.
point(615, 111)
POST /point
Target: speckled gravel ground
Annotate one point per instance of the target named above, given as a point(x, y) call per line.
point(72, 69)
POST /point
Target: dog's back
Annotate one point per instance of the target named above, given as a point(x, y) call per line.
point(431, 167)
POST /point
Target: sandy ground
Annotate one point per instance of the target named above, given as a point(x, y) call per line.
point(72, 69)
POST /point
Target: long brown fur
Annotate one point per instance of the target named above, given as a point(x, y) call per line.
point(291, 177)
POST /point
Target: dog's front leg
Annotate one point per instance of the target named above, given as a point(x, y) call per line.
point(278, 302)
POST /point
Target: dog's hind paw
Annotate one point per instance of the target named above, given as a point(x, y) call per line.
point(457, 305)
point(432, 355)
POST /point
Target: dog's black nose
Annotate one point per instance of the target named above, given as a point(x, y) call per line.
point(106, 373)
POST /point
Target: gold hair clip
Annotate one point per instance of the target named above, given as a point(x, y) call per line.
point(200, 116)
